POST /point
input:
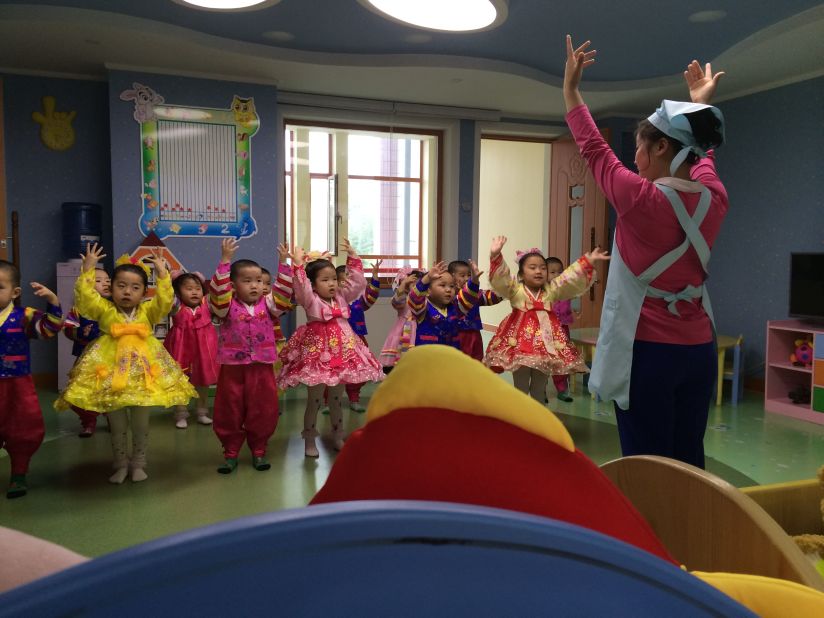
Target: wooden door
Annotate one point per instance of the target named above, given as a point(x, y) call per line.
point(578, 222)
point(5, 246)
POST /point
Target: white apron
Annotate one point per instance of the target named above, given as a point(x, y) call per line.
point(612, 367)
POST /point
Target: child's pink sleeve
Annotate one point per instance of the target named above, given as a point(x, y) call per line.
point(356, 284)
point(304, 295)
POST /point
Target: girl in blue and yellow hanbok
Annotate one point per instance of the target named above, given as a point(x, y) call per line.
point(126, 370)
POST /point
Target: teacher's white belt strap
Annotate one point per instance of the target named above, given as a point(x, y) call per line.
point(693, 237)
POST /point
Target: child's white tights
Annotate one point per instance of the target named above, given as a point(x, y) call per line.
point(119, 426)
point(310, 417)
point(182, 412)
point(532, 382)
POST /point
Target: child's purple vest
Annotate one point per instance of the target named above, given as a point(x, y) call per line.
point(246, 339)
point(14, 346)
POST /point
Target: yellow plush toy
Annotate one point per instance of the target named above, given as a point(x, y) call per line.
point(813, 544)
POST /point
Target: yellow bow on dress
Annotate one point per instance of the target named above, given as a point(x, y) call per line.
point(131, 347)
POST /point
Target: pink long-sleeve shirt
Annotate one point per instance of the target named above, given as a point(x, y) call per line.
point(647, 229)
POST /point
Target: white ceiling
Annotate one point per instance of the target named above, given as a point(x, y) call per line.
point(83, 42)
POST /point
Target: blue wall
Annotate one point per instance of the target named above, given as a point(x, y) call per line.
point(773, 168)
point(39, 180)
point(201, 254)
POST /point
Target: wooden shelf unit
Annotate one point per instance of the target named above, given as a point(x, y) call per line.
point(782, 376)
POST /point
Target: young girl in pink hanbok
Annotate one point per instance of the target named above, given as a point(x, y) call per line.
point(326, 352)
point(192, 342)
point(402, 335)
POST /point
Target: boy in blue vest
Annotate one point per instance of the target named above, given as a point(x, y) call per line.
point(437, 305)
point(21, 421)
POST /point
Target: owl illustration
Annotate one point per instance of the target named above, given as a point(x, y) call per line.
point(244, 111)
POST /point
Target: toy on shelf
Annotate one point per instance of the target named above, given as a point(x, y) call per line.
point(800, 395)
point(803, 355)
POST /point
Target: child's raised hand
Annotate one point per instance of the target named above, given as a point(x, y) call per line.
point(43, 292)
point(283, 253)
point(298, 255)
point(497, 245)
point(436, 272)
point(159, 264)
point(93, 255)
point(701, 82)
point(475, 271)
point(576, 60)
point(597, 255)
point(407, 282)
point(350, 251)
point(228, 248)
point(376, 268)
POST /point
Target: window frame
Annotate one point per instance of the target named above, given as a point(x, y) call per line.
point(437, 134)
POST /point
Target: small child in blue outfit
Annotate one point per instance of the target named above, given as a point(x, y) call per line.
point(357, 320)
point(432, 304)
point(469, 326)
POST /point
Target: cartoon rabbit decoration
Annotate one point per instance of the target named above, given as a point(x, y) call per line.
point(144, 101)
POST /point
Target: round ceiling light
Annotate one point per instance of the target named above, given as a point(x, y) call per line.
point(227, 5)
point(452, 16)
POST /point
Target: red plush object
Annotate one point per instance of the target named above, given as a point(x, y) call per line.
point(443, 455)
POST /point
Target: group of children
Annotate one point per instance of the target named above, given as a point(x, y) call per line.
point(122, 370)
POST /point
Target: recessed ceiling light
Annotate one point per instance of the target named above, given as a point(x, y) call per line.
point(279, 36)
point(227, 5)
point(452, 16)
point(705, 17)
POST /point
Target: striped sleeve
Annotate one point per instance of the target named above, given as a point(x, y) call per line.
point(43, 325)
point(279, 301)
point(71, 327)
point(468, 297)
point(487, 298)
point(370, 295)
point(282, 288)
point(416, 300)
point(73, 331)
point(220, 291)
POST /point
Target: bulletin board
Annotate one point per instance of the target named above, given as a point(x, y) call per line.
point(196, 166)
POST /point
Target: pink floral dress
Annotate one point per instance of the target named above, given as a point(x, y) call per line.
point(326, 350)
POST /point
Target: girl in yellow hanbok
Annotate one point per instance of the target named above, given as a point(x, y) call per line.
point(126, 370)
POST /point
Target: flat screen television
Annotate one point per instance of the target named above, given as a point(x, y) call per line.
point(807, 286)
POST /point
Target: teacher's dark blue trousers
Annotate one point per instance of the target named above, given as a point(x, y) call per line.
point(671, 388)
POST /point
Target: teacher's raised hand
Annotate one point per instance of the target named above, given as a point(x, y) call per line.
point(576, 60)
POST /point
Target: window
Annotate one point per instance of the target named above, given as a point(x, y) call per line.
point(375, 186)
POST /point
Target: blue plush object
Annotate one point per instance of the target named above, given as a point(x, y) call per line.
point(381, 558)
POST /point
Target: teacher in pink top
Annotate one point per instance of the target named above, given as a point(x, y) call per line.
point(656, 348)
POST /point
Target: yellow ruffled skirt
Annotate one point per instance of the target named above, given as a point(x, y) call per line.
point(149, 376)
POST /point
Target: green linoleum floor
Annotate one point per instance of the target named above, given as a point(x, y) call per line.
point(70, 501)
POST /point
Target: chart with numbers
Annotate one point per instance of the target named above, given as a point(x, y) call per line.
point(196, 168)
